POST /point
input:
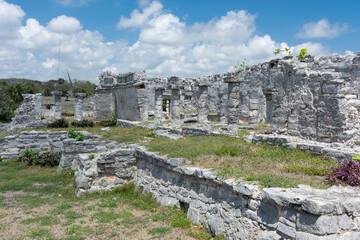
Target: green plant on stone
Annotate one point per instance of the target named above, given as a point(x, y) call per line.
point(78, 136)
point(241, 65)
point(150, 134)
point(303, 53)
point(91, 156)
point(357, 158)
point(114, 118)
point(278, 51)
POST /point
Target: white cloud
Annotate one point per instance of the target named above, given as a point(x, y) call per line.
point(10, 19)
point(64, 24)
point(322, 29)
point(73, 3)
point(138, 19)
point(166, 45)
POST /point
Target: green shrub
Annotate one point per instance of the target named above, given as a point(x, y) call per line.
point(60, 123)
point(78, 136)
point(303, 53)
point(1, 159)
point(150, 134)
point(32, 158)
point(83, 123)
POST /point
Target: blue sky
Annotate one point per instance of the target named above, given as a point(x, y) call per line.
point(165, 37)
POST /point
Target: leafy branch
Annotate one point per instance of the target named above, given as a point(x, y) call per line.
point(278, 51)
point(241, 65)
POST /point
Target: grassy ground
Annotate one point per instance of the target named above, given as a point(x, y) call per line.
point(37, 203)
point(272, 166)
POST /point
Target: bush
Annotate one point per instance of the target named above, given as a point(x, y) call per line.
point(78, 136)
point(83, 123)
point(60, 123)
point(345, 173)
point(32, 158)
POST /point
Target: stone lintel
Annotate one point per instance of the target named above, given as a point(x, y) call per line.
point(159, 88)
point(236, 79)
point(80, 95)
point(204, 84)
point(55, 93)
point(176, 87)
point(137, 84)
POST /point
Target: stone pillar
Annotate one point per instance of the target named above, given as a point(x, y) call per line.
point(158, 113)
point(57, 98)
point(188, 104)
point(78, 106)
point(202, 102)
point(223, 108)
point(175, 104)
point(254, 106)
point(37, 106)
point(233, 102)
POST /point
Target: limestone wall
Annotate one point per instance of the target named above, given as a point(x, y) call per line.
point(12, 146)
point(72, 148)
point(241, 210)
point(315, 99)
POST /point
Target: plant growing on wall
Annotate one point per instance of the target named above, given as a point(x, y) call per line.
point(278, 51)
point(303, 53)
point(241, 65)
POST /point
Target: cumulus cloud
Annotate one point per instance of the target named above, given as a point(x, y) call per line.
point(64, 24)
point(10, 19)
point(322, 29)
point(166, 45)
point(31, 50)
point(138, 19)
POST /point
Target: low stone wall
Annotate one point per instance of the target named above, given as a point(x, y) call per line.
point(241, 210)
point(72, 148)
point(12, 146)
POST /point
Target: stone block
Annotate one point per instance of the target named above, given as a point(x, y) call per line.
point(319, 225)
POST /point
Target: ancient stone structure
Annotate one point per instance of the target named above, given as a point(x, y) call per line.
point(238, 209)
point(315, 99)
point(57, 107)
point(125, 94)
point(12, 146)
point(78, 106)
point(158, 113)
point(202, 102)
point(28, 114)
point(233, 102)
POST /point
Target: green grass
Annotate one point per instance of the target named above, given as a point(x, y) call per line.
point(118, 134)
point(47, 202)
point(43, 220)
point(160, 230)
point(271, 165)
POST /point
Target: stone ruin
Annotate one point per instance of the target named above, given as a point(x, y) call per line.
point(30, 114)
point(314, 99)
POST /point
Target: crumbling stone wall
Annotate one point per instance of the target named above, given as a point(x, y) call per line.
point(241, 210)
point(238, 209)
point(12, 146)
point(316, 99)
